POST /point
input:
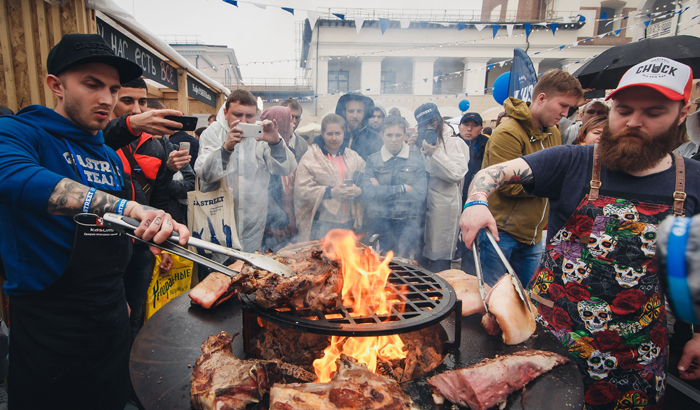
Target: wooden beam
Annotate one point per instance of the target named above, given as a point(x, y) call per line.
point(42, 27)
point(29, 40)
point(183, 103)
point(154, 91)
point(8, 69)
point(80, 18)
point(56, 29)
point(92, 22)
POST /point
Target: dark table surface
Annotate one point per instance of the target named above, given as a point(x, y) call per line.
point(170, 342)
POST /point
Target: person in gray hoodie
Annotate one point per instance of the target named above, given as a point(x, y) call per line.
point(357, 109)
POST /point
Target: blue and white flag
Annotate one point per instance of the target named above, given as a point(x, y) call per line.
point(522, 76)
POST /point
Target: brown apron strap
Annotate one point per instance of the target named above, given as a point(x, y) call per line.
point(595, 178)
point(679, 194)
point(539, 299)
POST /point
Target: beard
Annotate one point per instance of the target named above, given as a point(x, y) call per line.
point(635, 155)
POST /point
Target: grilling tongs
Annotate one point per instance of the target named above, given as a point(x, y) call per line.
point(128, 225)
point(480, 276)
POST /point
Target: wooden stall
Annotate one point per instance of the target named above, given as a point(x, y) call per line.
point(30, 28)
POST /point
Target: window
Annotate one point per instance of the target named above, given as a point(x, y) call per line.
point(388, 81)
point(338, 81)
point(603, 26)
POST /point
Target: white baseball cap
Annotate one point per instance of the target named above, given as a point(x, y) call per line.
point(669, 77)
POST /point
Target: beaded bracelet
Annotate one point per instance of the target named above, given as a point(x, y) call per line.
point(121, 205)
point(468, 204)
point(88, 200)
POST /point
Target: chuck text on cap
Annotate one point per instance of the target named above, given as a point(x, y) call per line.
point(77, 49)
point(669, 77)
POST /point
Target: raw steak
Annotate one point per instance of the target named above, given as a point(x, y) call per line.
point(467, 289)
point(352, 387)
point(489, 382)
point(220, 381)
point(511, 313)
point(215, 288)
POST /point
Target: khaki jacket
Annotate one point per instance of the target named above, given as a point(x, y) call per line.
point(518, 214)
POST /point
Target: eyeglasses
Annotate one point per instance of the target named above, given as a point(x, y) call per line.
point(597, 112)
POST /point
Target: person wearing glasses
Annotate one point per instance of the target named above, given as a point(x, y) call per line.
point(591, 110)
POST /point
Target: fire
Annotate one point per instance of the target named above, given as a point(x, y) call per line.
point(365, 279)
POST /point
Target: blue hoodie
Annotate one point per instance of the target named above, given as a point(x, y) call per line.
point(35, 246)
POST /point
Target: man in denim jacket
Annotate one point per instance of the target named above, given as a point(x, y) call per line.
point(395, 190)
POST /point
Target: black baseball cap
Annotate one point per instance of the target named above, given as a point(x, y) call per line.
point(78, 49)
point(473, 116)
point(426, 112)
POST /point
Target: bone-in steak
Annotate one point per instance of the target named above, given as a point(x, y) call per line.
point(489, 382)
point(352, 387)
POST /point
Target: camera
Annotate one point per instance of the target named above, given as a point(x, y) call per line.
point(428, 135)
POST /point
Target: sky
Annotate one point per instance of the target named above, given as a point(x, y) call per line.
point(255, 34)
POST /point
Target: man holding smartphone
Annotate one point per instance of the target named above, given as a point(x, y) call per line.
point(226, 151)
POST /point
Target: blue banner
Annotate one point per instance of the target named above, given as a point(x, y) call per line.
point(522, 76)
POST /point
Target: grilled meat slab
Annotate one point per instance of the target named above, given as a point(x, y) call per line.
point(215, 289)
point(510, 312)
point(352, 387)
point(489, 382)
point(467, 289)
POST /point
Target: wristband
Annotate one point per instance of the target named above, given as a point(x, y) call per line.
point(478, 192)
point(121, 205)
point(468, 204)
point(88, 200)
point(403, 188)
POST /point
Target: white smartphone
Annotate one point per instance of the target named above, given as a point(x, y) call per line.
point(250, 130)
point(184, 146)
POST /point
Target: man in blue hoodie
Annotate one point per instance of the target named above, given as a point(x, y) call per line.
point(70, 327)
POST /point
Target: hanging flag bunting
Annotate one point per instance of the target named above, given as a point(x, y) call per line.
point(359, 22)
point(561, 47)
point(522, 76)
point(617, 32)
point(581, 18)
point(566, 20)
point(495, 29)
point(425, 80)
point(383, 24)
point(528, 27)
point(646, 23)
point(340, 16)
point(405, 23)
point(231, 2)
point(312, 16)
point(288, 9)
point(436, 78)
point(461, 26)
point(479, 27)
point(604, 15)
point(423, 24)
point(501, 63)
point(542, 24)
point(554, 28)
point(509, 27)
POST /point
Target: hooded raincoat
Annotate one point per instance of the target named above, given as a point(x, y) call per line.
point(247, 170)
point(363, 140)
point(446, 167)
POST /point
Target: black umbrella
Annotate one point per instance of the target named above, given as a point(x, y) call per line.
point(606, 70)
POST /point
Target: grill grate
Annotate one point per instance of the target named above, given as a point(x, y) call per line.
point(418, 299)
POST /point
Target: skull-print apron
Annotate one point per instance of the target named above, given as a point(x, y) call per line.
point(597, 290)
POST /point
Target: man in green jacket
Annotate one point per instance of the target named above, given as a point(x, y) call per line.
point(521, 217)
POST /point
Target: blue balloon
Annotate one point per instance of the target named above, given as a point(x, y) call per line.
point(463, 105)
point(500, 87)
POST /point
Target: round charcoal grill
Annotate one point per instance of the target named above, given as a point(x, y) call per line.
point(419, 299)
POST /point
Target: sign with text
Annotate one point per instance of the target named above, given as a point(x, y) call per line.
point(200, 92)
point(153, 66)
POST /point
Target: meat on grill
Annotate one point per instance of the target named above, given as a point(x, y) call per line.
point(317, 283)
point(352, 387)
point(510, 312)
point(467, 289)
point(489, 382)
point(221, 381)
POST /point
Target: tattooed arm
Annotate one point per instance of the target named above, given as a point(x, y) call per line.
point(68, 197)
point(485, 182)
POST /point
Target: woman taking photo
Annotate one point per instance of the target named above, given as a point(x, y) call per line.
point(446, 161)
point(325, 194)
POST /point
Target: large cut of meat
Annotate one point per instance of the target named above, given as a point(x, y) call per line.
point(316, 284)
point(352, 387)
point(489, 382)
point(510, 312)
point(220, 381)
point(467, 289)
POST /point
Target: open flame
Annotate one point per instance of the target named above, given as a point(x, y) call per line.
point(364, 289)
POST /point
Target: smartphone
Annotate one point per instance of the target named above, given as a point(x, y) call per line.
point(184, 146)
point(189, 123)
point(250, 130)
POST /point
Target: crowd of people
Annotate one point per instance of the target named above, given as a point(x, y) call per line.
point(574, 206)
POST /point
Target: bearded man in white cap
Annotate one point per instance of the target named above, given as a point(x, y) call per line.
point(597, 288)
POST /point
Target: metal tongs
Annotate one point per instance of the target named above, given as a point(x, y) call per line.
point(129, 225)
point(480, 276)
